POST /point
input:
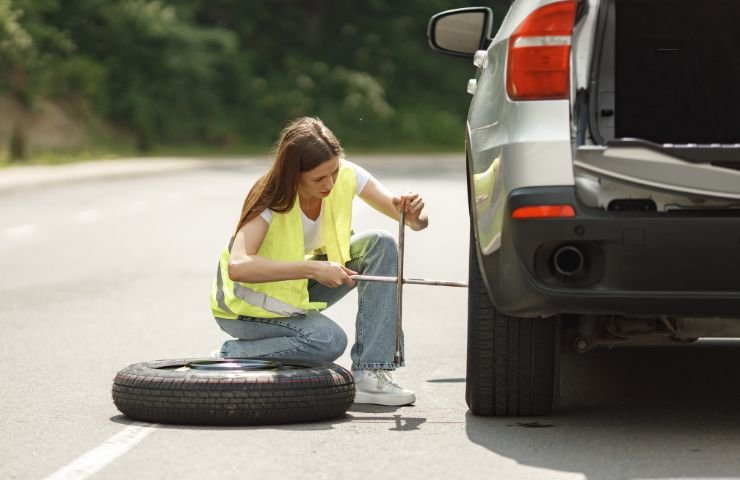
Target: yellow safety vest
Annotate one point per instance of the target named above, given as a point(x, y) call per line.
point(284, 241)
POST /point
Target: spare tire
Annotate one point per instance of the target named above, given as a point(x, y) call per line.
point(239, 391)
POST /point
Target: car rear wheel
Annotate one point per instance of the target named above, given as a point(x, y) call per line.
point(512, 361)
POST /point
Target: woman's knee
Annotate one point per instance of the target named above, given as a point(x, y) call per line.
point(380, 241)
point(383, 238)
point(329, 342)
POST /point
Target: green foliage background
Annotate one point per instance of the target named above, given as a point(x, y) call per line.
point(230, 72)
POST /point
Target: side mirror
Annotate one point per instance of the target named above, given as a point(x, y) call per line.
point(460, 32)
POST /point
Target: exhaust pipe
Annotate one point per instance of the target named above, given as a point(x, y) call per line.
point(569, 261)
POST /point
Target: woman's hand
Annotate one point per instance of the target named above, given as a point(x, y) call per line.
point(413, 205)
point(332, 274)
point(381, 199)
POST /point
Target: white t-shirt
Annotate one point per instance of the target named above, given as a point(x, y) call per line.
point(312, 228)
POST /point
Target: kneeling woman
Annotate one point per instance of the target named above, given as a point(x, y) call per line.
point(293, 255)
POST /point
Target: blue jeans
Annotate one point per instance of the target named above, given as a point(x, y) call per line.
point(317, 337)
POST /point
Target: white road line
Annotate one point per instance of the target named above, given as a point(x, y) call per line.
point(20, 230)
point(87, 216)
point(105, 453)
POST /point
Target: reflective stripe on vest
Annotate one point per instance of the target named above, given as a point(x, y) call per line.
point(284, 241)
point(266, 302)
point(219, 291)
point(254, 298)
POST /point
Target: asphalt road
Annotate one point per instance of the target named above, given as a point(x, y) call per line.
point(101, 274)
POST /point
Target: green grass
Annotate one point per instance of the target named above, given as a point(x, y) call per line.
point(64, 157)
point(403, 148)
point(199, 150)
point(119, 150)
point(264, 149)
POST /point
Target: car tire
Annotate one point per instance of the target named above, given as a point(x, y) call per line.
point(512, 361)
point(233, 391)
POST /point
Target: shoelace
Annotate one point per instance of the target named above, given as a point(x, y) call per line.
point(384, 380)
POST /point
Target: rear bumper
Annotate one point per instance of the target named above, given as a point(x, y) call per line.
point(634, 263)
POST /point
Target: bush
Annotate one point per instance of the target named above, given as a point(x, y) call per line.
point(18, 148)
point(221, 72)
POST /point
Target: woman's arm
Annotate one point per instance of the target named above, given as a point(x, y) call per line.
point(381, 199)
point(246, 266)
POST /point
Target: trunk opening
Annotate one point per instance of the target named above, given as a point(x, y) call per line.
point(668, 72)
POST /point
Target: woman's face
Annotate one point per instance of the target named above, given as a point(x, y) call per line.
point(317, 183)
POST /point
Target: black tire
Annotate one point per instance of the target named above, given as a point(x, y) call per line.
point(512, 361)
point(233, 391)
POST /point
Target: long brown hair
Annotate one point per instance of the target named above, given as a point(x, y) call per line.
point(303, 144)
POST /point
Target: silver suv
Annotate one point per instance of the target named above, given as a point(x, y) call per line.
point(603, 163)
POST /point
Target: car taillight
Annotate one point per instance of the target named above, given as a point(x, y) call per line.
point(544, 211)
point(539, 54)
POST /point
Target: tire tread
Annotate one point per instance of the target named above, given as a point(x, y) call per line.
point(146, 392)
point(511, 361)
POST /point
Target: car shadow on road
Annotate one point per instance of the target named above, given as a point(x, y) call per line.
point(628, 414)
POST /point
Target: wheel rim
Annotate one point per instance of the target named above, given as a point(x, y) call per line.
point(238, 364)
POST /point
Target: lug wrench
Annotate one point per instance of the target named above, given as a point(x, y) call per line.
point(400, 280)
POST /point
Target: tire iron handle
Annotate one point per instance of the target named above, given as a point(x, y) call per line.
point(408, 281)
point(399, 286)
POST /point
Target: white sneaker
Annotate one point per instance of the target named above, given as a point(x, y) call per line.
point(377, 387)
